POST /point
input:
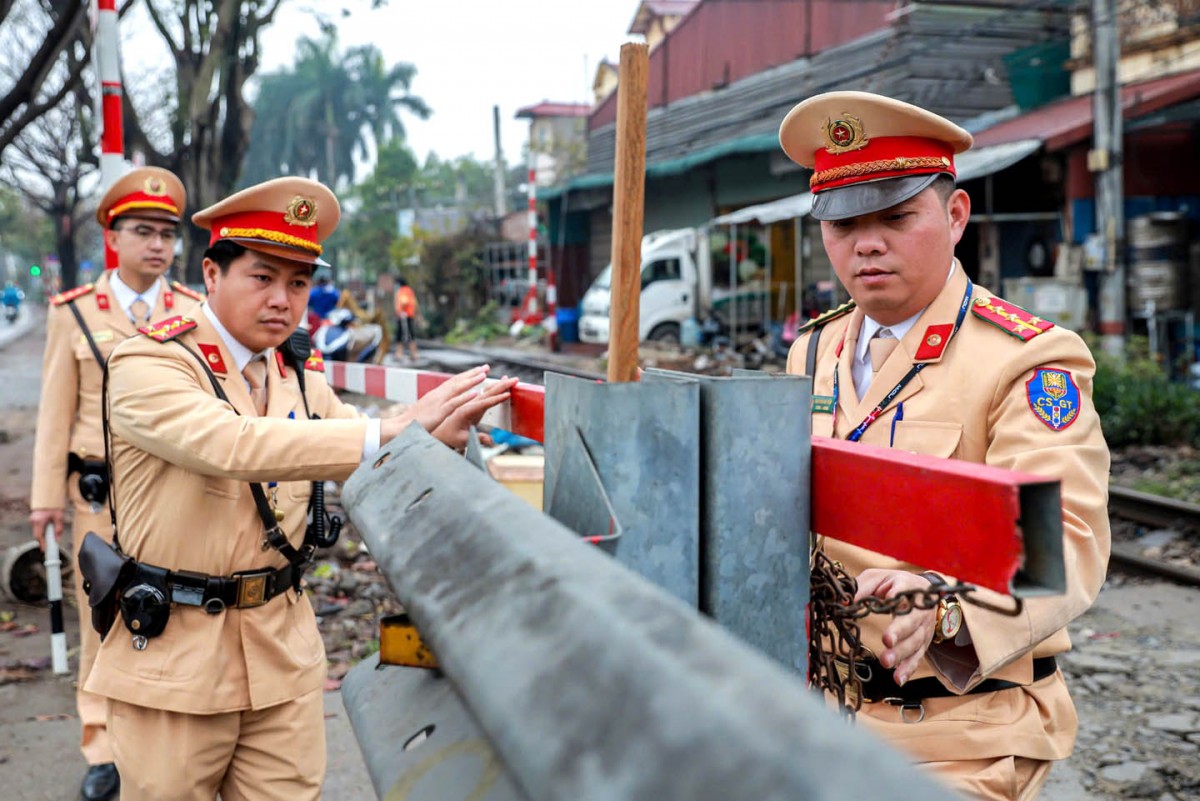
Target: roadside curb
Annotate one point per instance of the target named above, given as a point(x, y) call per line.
point(11, 333)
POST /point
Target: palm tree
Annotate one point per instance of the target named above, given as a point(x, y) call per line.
point(316, 116)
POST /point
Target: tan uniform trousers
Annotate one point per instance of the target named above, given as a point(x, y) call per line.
point(273, 754)
point(1009, 778)
point(93, 709)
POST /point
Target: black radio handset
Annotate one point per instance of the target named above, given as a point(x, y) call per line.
point(323, 528)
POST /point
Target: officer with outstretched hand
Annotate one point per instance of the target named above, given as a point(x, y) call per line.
point(222, 431)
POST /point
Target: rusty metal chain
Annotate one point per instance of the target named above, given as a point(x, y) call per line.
point(835, 648)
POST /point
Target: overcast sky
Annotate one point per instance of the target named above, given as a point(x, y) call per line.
point(469, 55)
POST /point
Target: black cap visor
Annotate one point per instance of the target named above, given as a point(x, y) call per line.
point(868, 197)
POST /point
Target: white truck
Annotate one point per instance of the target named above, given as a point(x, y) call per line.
point(678, 285)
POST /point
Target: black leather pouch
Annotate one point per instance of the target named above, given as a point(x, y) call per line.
point(106, 571)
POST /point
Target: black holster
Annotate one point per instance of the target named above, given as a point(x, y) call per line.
point(106, 572)
point(93, 478)
point(146, 601)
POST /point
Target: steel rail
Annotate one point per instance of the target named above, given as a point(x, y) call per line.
point(496, 358)
point(1152, 510)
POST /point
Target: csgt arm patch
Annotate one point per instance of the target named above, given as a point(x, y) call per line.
point(1053, 397)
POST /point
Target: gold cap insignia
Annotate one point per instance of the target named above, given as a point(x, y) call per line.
point(301, 211)
point(845, 134)
point(154, 186)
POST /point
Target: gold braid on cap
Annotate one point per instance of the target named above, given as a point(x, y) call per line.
point(898, 164)
point(272, 236)
point(116, 211)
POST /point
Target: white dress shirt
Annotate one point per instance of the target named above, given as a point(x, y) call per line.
point(861, 367)
point(125, 295)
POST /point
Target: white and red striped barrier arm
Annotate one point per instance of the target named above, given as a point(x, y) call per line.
point(523, 413)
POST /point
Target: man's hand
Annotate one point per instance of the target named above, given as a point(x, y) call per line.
point(38, 519)
point(908, 637)
point(433, 409)
point(454, 430)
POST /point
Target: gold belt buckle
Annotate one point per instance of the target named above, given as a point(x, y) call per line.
point(252, 590)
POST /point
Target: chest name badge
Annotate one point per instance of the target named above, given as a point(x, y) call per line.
point(1053, 397)
point(99, 336)
point(822, 404)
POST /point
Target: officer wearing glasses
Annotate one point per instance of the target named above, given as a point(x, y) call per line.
point(140, 214)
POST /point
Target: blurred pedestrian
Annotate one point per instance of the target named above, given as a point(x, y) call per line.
point(324, 296)
point(407, 311)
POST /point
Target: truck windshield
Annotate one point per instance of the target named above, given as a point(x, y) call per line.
point(604, 279)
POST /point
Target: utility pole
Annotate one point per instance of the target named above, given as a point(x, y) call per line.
point(1105, 160)
point(498, 169)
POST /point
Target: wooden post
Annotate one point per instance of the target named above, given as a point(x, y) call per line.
point(629, 192)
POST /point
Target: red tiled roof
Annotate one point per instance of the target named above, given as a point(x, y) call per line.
point(548, 109)
point(649, 9)
point(1069, 121)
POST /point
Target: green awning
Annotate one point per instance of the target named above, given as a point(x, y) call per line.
point(759, 143)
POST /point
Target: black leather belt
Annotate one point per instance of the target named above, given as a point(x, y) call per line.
point(214, 594)
point(878, 683)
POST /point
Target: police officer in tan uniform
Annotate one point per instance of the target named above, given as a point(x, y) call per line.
point(923, 360)
point(140, 213)
point(226, 697)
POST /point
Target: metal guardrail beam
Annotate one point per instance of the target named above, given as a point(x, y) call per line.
point(588, 681)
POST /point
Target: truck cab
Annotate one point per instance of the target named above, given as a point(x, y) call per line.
point(669, 276)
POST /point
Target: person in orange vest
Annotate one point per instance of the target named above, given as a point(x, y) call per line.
point(406, 317)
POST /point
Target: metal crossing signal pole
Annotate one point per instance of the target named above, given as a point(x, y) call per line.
point(112, 139)
point(1105, 160)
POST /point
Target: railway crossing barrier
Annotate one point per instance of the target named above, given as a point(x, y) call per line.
point(623, 667)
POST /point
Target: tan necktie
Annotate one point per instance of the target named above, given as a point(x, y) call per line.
point(880, 347)
point(140, 310)
point(256, 376)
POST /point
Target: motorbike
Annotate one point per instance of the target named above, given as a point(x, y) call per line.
point(342, 339)
point(11, 313)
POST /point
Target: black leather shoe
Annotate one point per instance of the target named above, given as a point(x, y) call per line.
point(100, 783)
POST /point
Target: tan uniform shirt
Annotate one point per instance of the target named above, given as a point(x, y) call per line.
point(972, 403)
point(69, 410)
point(182, 460)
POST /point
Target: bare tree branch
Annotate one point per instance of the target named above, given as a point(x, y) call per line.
point(175, 49)
point(34, 110)
point(24, 93)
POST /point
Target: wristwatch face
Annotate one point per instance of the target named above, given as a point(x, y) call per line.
point(951, 621)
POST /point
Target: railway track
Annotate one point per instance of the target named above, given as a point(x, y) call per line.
point(1159, 512)
point(503, 362)
point(1126, 504)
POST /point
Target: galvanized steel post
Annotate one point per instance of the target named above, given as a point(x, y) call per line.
point(587, 681)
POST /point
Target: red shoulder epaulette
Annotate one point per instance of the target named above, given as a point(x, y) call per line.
point(71, 294)
point(1010, 318)
point(168, 329)
point(184, 289)
point(315, 362)
point(828, 316)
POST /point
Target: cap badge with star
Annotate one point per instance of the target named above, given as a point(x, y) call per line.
point(301, 211)
point(146, 192)
point(284, 217)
